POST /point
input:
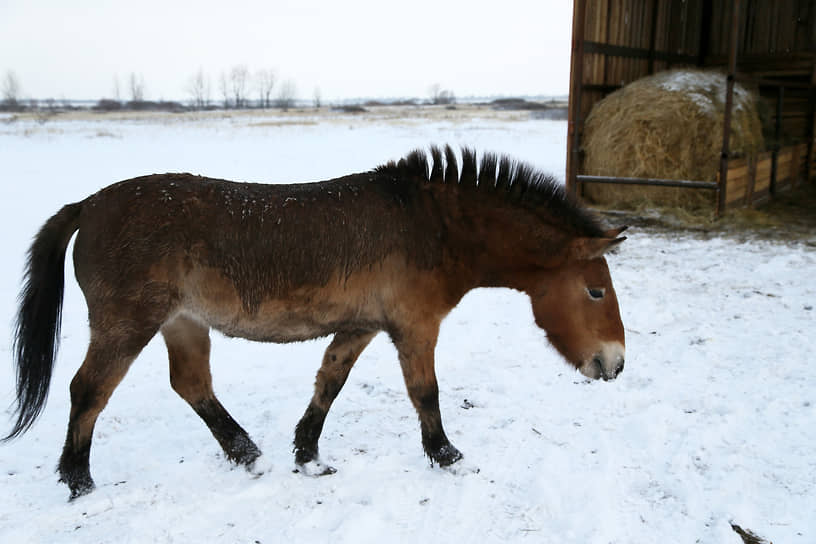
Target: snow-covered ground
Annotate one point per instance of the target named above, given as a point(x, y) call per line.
point(711, 422)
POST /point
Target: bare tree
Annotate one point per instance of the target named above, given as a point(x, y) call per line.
point(11, 89)
point(265, 80)
point(433, 91)
point(137, 87)
point(223, 86)
point(286, 95)
point(117, 93)
point(317, 98)
point(199, 89)
point(238, 84)
point(441, 96)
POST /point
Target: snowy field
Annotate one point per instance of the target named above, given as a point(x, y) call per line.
point(712, 421)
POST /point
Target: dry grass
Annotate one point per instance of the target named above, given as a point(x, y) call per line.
point(397, 116)
point(284, 123)
point(298, 116)
point(665, 126)
point(790, 216)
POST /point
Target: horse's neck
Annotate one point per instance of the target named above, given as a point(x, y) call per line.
point(501, 252)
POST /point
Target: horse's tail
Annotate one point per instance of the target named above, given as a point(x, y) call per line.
point(36, 335)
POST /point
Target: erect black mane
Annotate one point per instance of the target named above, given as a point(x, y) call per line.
point(499, 175)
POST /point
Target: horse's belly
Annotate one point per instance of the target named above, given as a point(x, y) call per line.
point(302, 314)
point(285, 321)
point(269, 330)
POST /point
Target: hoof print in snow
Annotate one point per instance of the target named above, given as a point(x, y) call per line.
point(258, 466)
point(462, 469)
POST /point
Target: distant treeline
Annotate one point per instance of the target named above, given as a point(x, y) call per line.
point(234, 88)
point(546, 110)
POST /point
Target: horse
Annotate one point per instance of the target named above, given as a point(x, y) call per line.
point(393, 249)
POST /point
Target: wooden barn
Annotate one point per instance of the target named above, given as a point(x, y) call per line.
point(768, 44)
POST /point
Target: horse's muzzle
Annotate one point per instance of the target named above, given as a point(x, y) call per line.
point(606, 364)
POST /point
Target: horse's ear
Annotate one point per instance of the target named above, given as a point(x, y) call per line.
point(591, 248)
point(614, 233)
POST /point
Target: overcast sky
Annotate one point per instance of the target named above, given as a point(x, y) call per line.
point(347, 48)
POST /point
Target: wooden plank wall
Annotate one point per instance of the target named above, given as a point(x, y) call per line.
point(628, 24)
point(749, 179)
point(767, 28)
point(762, 185)
point(740, 173)
point(777, 41)
point(625, 40)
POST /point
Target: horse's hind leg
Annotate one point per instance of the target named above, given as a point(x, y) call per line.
point(188, 347)
point(106, 363)
point(340, 356)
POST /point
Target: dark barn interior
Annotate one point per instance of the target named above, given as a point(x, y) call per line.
point(770, 45)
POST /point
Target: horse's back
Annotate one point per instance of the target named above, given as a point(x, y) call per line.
point(266, 262)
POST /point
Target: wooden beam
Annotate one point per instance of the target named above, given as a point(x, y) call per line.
point(739, 76)
point(653, 37)
point(811, 121)
point(780, 98)
point(682, 183)
point(729, 101)
point(575, 122)
point(605, 89)
point(770, 82)
point(798, 61)
point(637, 53)
point(705, 31)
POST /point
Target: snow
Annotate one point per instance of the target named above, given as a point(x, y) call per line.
point(711, 422)
point(703, 87)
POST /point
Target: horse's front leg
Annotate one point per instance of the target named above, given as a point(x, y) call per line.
point(416, 354)
point(340, 356)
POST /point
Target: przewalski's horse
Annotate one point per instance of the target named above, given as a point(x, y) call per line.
point(392, 250)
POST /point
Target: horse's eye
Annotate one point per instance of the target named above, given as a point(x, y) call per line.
point(596, 293)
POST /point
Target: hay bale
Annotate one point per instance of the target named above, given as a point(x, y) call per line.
point(667, 126)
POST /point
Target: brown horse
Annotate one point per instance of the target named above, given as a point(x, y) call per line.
point(392, 250)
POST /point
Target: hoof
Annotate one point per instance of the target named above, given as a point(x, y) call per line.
point(243, 454)
point(445, 456)
point(314, 468)
point(304, 455)
point(80, 489)
point(79, 482)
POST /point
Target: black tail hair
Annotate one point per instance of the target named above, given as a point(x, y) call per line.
point(36, 335)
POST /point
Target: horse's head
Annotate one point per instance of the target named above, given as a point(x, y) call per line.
point(576, 305)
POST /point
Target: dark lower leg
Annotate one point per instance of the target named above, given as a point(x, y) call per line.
point(434, 441)
point(74, 467)
point(188, 348)
point(90, 390)
point(416, 352)
point(234, 440)
point(307, 434)
point(338, 360)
